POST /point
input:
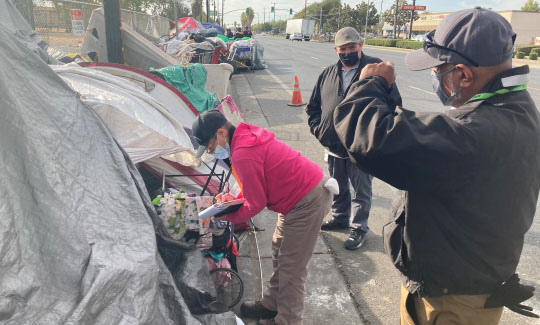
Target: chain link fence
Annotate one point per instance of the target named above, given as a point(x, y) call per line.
point(63, 23)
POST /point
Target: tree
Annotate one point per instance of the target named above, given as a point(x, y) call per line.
point(247, 17)
point(531, 5)
point(404, 16)
point(352, 17)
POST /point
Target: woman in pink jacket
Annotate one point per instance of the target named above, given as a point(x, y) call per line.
point(273, 175)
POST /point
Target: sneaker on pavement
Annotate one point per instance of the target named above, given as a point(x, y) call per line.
point(255, 309)
point(334, 224)
point(356, 239)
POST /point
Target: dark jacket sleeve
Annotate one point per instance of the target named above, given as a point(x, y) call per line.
point(314, 109)
point(409, 150)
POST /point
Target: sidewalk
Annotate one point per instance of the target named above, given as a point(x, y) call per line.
point(327, 298)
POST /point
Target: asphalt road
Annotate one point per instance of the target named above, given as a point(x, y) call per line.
point(372, 282)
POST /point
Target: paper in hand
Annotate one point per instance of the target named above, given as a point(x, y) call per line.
point(220, 209)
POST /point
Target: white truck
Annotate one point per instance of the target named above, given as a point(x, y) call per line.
point(304, 27)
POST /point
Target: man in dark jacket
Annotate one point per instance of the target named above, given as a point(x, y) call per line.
point(470, 177)
point(330, 90)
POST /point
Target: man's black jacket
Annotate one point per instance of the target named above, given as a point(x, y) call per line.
point(470, 177)
point(326, 95)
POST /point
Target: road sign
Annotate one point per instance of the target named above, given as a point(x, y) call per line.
point(77, 25)
point(409, 7)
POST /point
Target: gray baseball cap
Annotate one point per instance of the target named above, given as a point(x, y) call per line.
point(347, 35)
point(477, 37)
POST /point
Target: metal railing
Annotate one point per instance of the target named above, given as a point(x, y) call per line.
point(63, 23)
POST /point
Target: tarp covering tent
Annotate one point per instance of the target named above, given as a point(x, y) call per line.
point(189, 24)
point(212, 25)
point(81, 243)
point(141, 125)
point(14, 22)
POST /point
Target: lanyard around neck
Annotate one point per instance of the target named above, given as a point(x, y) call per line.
point(482, 96)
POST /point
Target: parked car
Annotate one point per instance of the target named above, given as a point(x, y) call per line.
point(296, 37)
point(287, 36)
point(420, 38)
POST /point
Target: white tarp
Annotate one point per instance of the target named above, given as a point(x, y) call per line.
point(140, 124)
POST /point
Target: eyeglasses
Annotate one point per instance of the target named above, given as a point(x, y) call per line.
point(429, 43)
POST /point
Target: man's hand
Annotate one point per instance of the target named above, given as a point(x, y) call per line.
point(383, 69)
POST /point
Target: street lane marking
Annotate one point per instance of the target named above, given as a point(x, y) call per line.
point(314, 58)
point(281, 83)
point(533, 88)
point(427, 92)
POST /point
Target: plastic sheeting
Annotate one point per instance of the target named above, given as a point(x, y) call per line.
point(138, 51)
point(190, 81)
point(14, 22)
point(140, 124)
point(81, 243)
point(258, 57)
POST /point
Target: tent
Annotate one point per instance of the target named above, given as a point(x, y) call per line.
point(81, 243)
point(189, 24)
point(212, 25)
point(177, 105)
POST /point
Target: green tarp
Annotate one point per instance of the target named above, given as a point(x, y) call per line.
point(190, 81)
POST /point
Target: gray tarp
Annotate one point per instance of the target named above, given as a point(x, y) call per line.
point(15, 23)
point(80, 242)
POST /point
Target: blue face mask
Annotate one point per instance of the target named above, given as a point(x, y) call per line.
point(222, 153)
point(437, 83)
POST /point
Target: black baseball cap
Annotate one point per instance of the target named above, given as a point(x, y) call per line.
point(476, 37)
point(205, 126)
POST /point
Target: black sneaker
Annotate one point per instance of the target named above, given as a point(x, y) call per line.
point(356, 239)
point(334, 224)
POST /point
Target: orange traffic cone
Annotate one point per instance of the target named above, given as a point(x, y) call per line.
point(296, 95)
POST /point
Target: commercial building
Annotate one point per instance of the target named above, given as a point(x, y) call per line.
point(526, 24)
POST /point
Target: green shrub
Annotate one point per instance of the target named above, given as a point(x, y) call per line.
point(381, 42)
point(535, 50)
point(533, 56)
point(526, 49)
point(407, 44)
point(520, 55)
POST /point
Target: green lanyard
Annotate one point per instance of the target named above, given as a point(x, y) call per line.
point(503, 91)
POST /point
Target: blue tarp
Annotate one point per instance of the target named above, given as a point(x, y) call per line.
point(211, 25)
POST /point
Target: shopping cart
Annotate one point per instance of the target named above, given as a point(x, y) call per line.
point(242, 56)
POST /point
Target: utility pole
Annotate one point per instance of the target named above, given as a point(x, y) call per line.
point(395, 18)
point(305, 9)
point(113, 36)
point(381, 23)
point(367, 11)
point(264, 17)
point(222, 6)
point(207, 11)
point(320, 23)
point(339, 14)
point(274, 14)
point(175, 17)
point(412, 18)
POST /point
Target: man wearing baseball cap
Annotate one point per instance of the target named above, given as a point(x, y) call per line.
point(349, 210)
point(469, 177)
point(271, 174)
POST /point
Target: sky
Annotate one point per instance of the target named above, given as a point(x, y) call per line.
point(297, 5)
